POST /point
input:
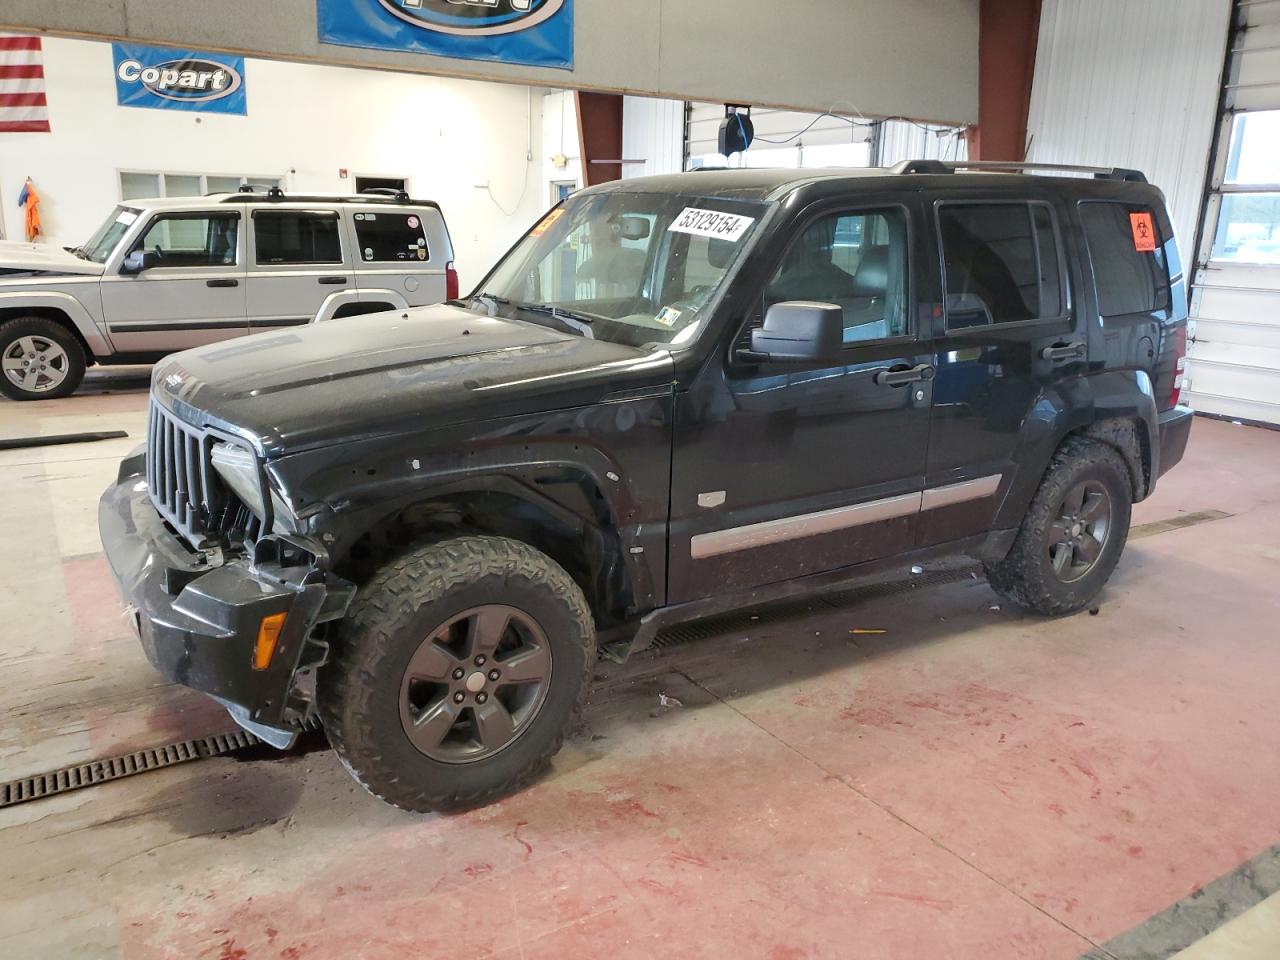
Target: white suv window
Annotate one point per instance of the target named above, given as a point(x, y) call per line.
point(296, 236)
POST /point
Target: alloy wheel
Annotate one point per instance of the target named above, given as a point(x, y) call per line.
point(1079, 535)
point(35, 364)
point(475, 684)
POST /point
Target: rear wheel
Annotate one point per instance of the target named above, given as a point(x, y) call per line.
point(1073, 533)
point(39, 359)
point(457, 673)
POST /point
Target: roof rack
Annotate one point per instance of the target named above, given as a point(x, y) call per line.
point(378, 196)
point(1014, 166)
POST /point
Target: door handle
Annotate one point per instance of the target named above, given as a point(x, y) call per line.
point(901, 375)
point(222, 283)
point(333, 281)
point(1063, 351)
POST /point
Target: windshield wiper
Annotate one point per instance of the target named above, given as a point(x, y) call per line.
point(78, 251)
point(557, 313)
point(492, 300)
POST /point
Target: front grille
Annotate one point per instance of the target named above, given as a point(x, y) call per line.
point(186, 489)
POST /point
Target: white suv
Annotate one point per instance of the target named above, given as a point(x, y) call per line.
point(164, 275)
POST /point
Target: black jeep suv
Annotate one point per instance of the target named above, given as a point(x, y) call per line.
point(674, 396)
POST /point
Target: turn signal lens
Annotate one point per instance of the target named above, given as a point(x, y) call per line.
point(268, 636)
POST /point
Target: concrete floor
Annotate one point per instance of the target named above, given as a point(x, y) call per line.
point(971, 783)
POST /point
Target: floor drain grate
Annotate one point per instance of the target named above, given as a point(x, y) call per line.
point(95, 772)
point(1176, 523)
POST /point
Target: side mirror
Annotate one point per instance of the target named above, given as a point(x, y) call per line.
point(800, 330)
point(137, 261)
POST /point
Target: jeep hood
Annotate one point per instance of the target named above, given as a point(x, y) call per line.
point(40, 258)
point(394, 373)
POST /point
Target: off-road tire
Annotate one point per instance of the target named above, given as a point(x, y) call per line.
point(11, 330)
point(359, 689)
point(1025, 576)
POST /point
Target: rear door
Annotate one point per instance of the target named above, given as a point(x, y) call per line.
point(298, 260)
point(195, 292)
point(396, 251)
point(1009, 330)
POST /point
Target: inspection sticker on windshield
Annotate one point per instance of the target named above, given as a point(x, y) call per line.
point(711, 223)
point(668, 316)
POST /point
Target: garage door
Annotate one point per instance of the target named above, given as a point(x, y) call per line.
point(1234, 358)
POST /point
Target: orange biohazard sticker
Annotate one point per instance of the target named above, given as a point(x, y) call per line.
point(1144, 232)
point(547, 222)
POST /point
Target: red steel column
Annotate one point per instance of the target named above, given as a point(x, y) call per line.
point(600, 132)
point(1009, 32)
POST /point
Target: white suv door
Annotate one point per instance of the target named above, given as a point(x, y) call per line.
point(298, 261)
point(192, 290)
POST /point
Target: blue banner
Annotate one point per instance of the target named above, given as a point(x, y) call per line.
point(534, 32)
point(164, 79)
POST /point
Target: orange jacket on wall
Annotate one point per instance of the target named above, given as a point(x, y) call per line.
point(29, 200)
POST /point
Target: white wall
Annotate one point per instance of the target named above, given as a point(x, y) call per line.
point(1132, 84)
point(304, 123)
point(560, 140)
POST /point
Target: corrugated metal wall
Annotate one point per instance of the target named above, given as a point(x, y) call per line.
point(1132, 83)
point(652, 131)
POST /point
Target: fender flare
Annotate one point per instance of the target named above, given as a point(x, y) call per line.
point(335, 301)
point(1078, 405)
point(392, 483)
point(85, 325)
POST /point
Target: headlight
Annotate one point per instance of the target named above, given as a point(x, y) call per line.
point(238, 467)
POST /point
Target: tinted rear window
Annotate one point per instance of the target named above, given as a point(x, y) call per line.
point(391, 237)
point(1128, 280)
point(297, 236)
point(1002, 263)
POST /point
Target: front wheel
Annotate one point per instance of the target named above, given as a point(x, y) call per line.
point(39, 359)
point(459, 670)
point(1073, 533)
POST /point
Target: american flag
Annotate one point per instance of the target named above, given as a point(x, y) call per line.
point(23, 107)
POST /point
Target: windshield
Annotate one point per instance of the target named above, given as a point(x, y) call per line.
point(106, 237)
point(633, 268)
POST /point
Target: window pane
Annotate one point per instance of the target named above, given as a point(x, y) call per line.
point(391, 236)
point(181, 185)
point(198, 240)
point(139, 186)
point(992, 265)
point(856, 261)
point(1249, 228)
point(1127, 280)
point(223, 184)
point(297, 237)
point(1254, 156)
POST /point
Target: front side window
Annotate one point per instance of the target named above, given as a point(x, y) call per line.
point(634, 268)
point(296, 236)
point(857, 261)
point(1129, 270)
point(391, 237)
point(192, 239)
point(1001, 263)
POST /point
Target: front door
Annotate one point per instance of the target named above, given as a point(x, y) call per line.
point(192, 294)
point(783, 469)
point(1011, 332)
point(299, 261)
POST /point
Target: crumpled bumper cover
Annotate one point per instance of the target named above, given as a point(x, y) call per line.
point(198, 623)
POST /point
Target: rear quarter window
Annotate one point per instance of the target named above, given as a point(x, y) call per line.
point(1128, 279)
point(387, 237)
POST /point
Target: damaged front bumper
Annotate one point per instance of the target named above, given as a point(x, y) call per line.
point(199, 622)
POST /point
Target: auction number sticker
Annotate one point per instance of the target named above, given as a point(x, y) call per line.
point(711, 223)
